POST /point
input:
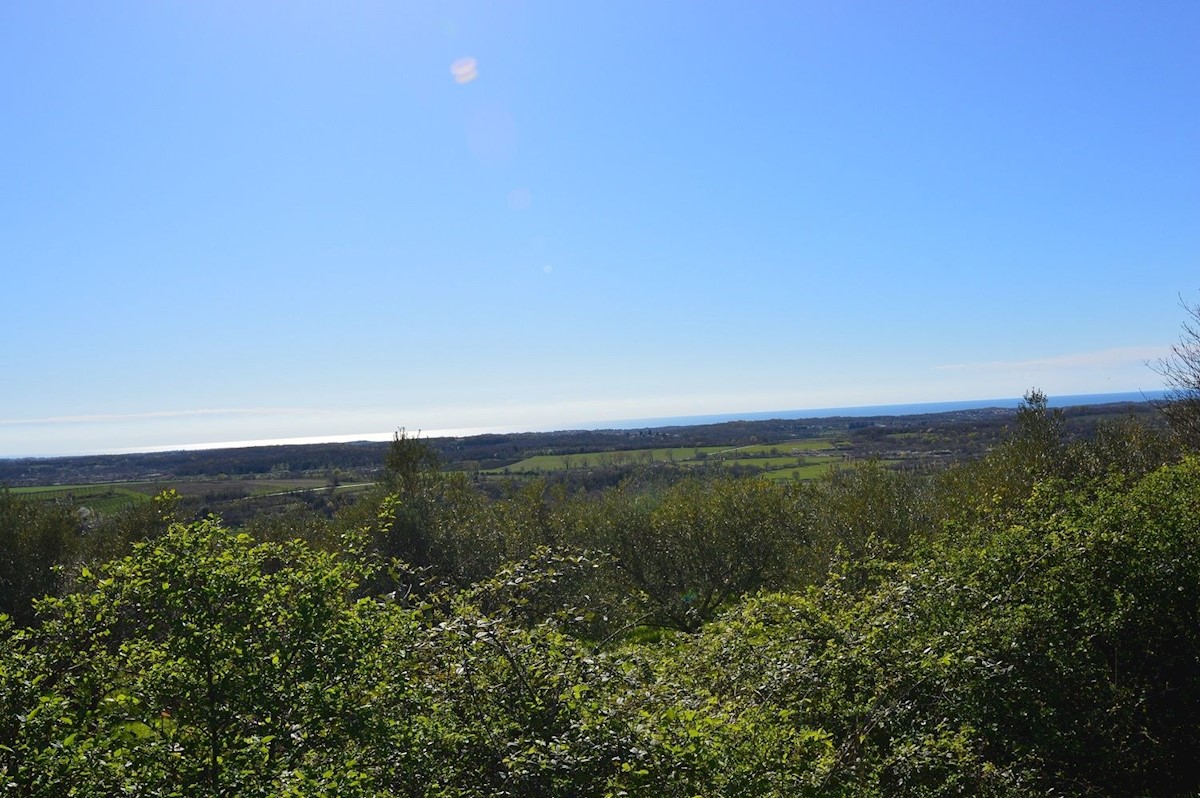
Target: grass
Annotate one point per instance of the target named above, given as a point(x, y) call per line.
point(812, 471)
point(77, 491)
point(107, 497)
point(759, 455)
point(785, 448)
point(545, 463)
point(104, 498)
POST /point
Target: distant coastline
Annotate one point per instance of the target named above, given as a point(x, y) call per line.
point(912, 409)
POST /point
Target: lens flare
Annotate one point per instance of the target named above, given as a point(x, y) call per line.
point(464, 70)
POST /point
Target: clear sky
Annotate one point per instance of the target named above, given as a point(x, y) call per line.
point(224, 221)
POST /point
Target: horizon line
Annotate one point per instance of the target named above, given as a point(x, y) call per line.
point(897, 409)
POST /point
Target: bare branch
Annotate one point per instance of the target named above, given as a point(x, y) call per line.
point(1180, 371)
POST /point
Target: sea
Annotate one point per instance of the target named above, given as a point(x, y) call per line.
point(665, 421)
point(919, 408)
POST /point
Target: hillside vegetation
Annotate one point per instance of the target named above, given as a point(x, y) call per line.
point(1023, 623)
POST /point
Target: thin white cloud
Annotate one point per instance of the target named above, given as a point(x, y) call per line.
point(304, 440)
point(1105, 358)
point(159, 414)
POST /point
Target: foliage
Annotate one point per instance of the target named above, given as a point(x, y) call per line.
point(407, 461)
point(1054, 653)
point(1181, 371)
point(34, 538)
point(859, 514)
point(515, 706)
point(698, 544)
point(1126, 446)
point(204, 664)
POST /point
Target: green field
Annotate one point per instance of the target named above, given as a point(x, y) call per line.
point(546, 463)
point(102, 498)
point(786, 454)
point(785, 448)
point(803, 472)
point(111, 496)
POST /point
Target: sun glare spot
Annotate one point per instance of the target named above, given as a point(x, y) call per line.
point(464, 70)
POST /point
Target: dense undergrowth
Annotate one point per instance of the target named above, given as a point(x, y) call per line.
point(1024, 624)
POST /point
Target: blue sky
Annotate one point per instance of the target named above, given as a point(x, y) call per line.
point(226, 221)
